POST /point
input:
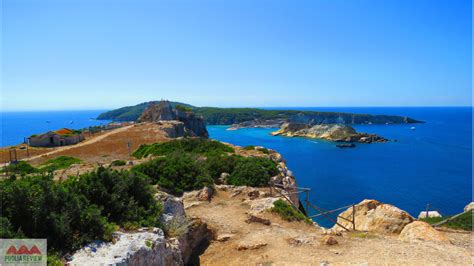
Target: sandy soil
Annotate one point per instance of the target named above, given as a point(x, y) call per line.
point(296, 243)
point(100, 148)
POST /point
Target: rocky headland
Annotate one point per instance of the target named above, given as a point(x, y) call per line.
point(330, 132)
point(192, 125)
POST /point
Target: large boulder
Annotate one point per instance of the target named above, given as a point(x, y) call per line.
point(374, 216)
point(422, 231)
point(469, 207)
point(197, 238)
point(172, 206)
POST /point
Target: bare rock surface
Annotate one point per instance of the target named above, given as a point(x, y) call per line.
point(430, 214)
point(374, 216)
point(140, 248)
point(422, 231)
point(297, 243)
point(469, 207)
point(331, 132)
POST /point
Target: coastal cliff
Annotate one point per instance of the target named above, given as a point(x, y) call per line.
point(164, 111)
point(331, 132)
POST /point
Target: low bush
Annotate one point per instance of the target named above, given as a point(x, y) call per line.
point(20, 168)
point(186, 145)
point(176, 227)
point(462, 222)
point(288, 212)
point(61, 162)
point(77, 211)
point(176, 173)
point(252, 171)
point(118, 163)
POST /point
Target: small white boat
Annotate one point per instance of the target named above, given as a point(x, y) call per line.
point(70, 122)
point(413, 128)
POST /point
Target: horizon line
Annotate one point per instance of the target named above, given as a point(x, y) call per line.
point(325, 106)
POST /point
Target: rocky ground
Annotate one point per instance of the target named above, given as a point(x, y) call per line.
point(238, 242)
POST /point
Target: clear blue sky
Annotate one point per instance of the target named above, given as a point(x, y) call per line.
point(94, 54)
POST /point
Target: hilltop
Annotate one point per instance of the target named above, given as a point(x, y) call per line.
point(229, 116)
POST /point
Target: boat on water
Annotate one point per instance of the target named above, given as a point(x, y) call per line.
point(346, 145)
point(413, 128)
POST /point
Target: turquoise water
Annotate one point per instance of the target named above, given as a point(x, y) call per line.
point(15, 126)
point(431, 164)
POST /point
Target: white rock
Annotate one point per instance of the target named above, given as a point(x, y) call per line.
point(142, 248)
point(260, 205)
point(431, 214)
point(469, 207)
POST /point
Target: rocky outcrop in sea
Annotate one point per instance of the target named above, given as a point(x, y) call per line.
point(331, 132)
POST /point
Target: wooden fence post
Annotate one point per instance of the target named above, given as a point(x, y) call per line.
point(353, 218)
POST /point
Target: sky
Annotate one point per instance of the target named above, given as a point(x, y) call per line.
point(102, 54)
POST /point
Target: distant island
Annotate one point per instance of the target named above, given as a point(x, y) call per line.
point(256, 117)
point(330, 132)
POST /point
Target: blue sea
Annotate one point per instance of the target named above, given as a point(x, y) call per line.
point(429, 165)
point(16, 126)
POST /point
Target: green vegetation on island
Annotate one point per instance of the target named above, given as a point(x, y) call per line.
point(191, 164)
point(23, 168)
point(61, 162)
point(228, 116)
point(288, 212)
point(187, 145)
point(462, 222)
point(77, 211)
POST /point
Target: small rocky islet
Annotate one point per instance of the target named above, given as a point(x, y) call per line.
point(330, 132)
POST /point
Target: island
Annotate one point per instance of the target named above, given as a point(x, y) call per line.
point(330, 132)
point(257, 117)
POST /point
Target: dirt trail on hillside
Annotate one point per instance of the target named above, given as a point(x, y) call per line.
point(296, 243)
point(81, 144)
point(102, 148)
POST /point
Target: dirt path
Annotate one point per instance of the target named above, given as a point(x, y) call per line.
point(296, 243)
point(81, 144)
point(117, 144)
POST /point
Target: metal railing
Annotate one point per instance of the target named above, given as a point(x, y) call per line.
point(321, 212)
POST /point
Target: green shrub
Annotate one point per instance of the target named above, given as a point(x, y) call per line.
point(186, 145)
point(218, 164)
point(463, 222)
point(249, 148)
point(176, 227)
point(118, 163)
point(61, 162)
point(288, 212)
point(264, 150)
point(21, 168)
point(253, 171)
point(77, 211)
point(183, 108)
point(176, 173)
